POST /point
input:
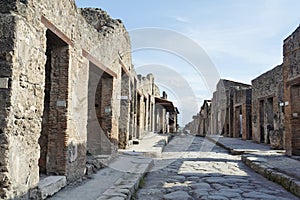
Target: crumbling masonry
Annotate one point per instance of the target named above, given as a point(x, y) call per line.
point(67, 90)
point(267, 112)
point(291, 80)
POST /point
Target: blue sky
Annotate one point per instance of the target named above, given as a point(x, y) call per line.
point(242, 39)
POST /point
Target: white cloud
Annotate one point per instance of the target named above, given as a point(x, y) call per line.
point(181, 19)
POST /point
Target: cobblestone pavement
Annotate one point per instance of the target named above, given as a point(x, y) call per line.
point(193, 169)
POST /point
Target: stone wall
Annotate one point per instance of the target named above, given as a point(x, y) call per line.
point(268, 115)
point(23, 58)
point(275, 108)
point(165, 114)
point(125, 99)
point(222, 107)
point(193, 126)
point(147, 91)
point(204, 126)
point(291, 74)
point(242, 126)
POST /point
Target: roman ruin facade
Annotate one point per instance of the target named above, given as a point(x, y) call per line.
point(242, 116)
point(291, 79)
point(268, 109)
point(68, 89)
point(166, 115)
point(193, 126)
point(204, 125)
point(53, 55)
point(266, 112)
point(146, 91)
point(224, 109)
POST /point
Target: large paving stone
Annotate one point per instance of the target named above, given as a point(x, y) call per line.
point(178, 195)
point(217, 197)
point(200, 192)
point(201, 186)
point(179, 178)
point(257, 195)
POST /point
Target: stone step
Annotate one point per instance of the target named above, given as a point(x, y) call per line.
point(50, 185)
point(151, 145)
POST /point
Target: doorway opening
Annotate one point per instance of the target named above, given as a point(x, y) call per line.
point(52, 141)
point(295, 120)
point(100, 90)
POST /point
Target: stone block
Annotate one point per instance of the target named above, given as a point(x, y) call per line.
point(50, 185)
point(295, 187)
point(89, 169)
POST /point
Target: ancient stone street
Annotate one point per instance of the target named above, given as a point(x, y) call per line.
point(194, 168)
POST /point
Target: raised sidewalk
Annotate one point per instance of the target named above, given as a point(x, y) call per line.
point(272, 164)
point(122, 176)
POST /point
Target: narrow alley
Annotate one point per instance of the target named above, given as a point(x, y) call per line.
point(194, 168)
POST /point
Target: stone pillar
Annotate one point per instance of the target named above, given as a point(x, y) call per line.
point(124, 119)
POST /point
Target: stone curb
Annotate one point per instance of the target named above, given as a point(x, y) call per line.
point(218, 143)
point(289, 183)
point(126, 186)
point(230, 150)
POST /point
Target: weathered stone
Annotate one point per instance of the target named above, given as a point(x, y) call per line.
point(178, 195)
point(257, 195)
point(89, 169)
point(179, 178)
point(200, 192)
point(50, 185)
point(295, 187)
point(217, 197)
point(201, 186)
point(291, 74)
point(267, 113)
point(205, 112)
point(228, 112)
point(64, 91)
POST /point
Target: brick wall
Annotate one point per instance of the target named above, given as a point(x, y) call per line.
point(55, 108)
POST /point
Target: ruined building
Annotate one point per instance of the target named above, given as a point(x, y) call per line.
point(166, 115)
point(204, 125)
point(268, 108)
point(228, 113)
point(229, 109)
point(55, 61)
point(266, 112)
point(200, 125)
point(67, 90)
point(242, 107)
point(193, 126)
point(147, 91)
point(291, 80)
